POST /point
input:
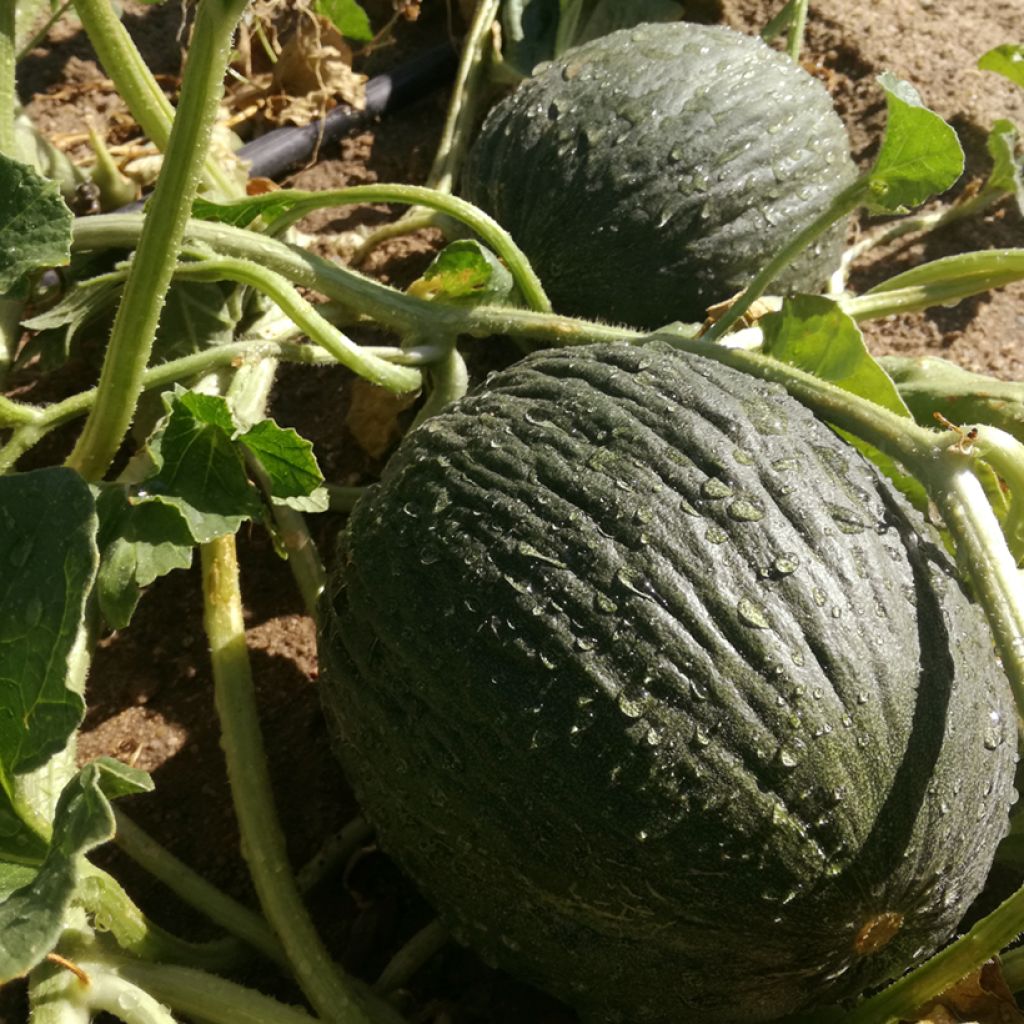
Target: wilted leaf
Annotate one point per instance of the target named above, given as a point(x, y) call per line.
point(465, 273)
point(373, 417)
point(982, 998)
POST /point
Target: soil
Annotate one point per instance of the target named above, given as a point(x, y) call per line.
point(150, 688)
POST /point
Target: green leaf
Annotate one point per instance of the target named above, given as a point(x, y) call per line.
point(929, 384)
point(20, 846)
point(32, 916)
point(348, 17)
point(1007, 173)
point(196, 315)
point(813, 334)
point(465, 273)
point(528, 29)
point(48, 557)
point(950, 278)
point(200, 469)
point(920, 155)
point(141, 540)
point(598, 18)
point(286, 458)
point(35, 225)
point(1006, 60)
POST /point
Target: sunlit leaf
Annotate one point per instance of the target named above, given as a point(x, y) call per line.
point(348, 17)
point(200, 470)
point(466, 273)
point(920, 155)
point(813, 333)
point(1006, 60)
point(286, 458)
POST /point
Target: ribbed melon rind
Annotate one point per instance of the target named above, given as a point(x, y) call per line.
point(652, 172)
point(661, 693)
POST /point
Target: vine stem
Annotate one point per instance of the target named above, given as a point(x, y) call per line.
point(131, 339)
point(10, 309)
point(403, 313)
point(430, 939)
point(31, 423)
point(136, 85)
point(334, 997)
point(482, 224)
point(195, 890)
point(795, 34)
point(922, 223)
point(8, 94)
point(198, 994)
point(458, 125)
point(844, 203)
point(304, 315)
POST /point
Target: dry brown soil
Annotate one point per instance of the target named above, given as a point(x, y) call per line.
point(150, 690)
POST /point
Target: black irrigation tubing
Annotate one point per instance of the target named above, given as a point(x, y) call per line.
point(279, 151)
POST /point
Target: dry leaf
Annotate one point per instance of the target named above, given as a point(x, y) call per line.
point(981, 998)
point(314, 73)
point(373, 417)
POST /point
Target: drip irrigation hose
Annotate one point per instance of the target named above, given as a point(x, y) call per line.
point(279, 151)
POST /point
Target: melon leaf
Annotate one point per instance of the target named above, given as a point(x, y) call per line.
point(1007, 173)
point(32, 915)
point(48, 553)
point(35, 225)
point(814, 334)
point(1006, 60)
point(920, 155)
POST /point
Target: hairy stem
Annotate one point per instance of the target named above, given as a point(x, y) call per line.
point(403, 313)
point(846, 202)
point(486, 227)
point(193, 889)
point(135, 324)
point(32, 423)
point(136, 85)
point(305, 316)
point(334, 997)
point(201, 995)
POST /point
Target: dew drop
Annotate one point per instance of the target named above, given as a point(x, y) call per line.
point(752, 614)
point(785, 564)
point(745, 511)
point(630, 708)
point(715, 488)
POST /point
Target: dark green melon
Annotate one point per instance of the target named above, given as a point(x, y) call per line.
point(652, 172)
point(665, 698)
